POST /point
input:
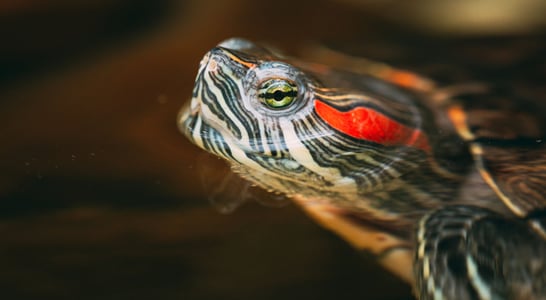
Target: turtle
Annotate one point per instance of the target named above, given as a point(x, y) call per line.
point(437, 169)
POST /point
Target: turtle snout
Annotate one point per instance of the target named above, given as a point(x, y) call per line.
point(209, 62)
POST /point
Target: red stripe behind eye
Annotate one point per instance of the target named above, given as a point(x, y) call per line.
point(368, 124)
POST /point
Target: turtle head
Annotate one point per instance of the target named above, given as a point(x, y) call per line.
point(300, 128)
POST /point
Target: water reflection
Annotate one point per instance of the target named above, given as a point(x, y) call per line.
point(227, 191)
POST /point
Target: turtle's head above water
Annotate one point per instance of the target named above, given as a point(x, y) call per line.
point(297, 127)
point(242, 100)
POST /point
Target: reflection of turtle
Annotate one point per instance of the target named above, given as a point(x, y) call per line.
point(447, 185)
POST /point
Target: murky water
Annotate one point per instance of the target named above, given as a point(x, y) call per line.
point(102, 197)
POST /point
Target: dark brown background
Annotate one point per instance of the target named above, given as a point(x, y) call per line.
point(99, 192)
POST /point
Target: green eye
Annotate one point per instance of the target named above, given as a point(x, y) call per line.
point(278, 93)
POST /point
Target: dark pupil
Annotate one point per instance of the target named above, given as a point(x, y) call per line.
point(278, 95)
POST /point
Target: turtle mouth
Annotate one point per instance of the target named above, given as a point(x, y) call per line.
point(188, 116)
point(190, 109)
point(203, 131)
point(193, 124)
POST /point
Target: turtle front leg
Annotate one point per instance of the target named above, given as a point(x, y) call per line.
point(393, 253)
point(466, 252)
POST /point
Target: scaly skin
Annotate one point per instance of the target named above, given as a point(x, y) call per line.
point(387, 160)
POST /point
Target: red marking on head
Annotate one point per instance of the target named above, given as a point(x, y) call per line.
point(367, 124)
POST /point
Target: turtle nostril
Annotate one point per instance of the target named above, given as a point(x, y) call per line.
point(212, 66)
point(214, 60)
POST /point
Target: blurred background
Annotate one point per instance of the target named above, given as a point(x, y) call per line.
point(102, 197)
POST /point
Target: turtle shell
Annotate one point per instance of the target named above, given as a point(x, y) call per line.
point(493, 92)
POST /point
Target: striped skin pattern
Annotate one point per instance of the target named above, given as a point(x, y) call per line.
point(376, 151)
point(357, 146)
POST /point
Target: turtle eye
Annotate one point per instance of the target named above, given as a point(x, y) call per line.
point(277, 93)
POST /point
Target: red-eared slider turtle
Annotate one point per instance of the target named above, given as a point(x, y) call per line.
point(439, 171)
